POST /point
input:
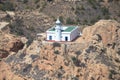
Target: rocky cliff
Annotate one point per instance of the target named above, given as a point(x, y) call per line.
point(29, 17)
point(93, 56)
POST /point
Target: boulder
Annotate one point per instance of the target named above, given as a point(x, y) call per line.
point(15, 45)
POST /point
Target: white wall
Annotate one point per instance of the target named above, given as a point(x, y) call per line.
point(50, 34)
point(71, 36)
point(65, 35)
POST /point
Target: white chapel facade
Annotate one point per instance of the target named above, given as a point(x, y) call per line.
point(62, 33)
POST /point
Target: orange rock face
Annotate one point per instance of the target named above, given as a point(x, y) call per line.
point(107, 29)
point(9, 43)
point(6, 73)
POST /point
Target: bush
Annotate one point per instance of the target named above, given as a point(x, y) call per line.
point(70, 21)
point(50, 0)
point(38, 6)
point(31, 28)
point(56, 52)
point(92, 1)
point(105, 11)
point(55, 44)
point(91, 49)
point(7, 6)
point(112, 73)
point(78, 52)
point(61, 19)
point(25, 1)
point(16, 27)
point(75, 78)
point(75, 61)
point(36, 1)
point(8, 18)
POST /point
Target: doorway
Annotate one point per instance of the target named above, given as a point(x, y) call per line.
point(50, 37)
point(66, 38)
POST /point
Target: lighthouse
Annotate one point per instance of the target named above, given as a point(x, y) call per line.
point(61, 32)
point(58, 30)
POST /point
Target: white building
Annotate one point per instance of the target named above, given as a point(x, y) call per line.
point(62, 33)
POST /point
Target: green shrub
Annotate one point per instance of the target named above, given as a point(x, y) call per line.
point(55, 44)
point(105, 11)
point(7, 6)
point(77, 12)
point(75, 61)
point(75, 78)
point(25, 1)
point(56, 52)
point(8, 18)
point(50, 0)
point(43, 5)
point(100, 0)
point(72, 8)
point(31, 28)
point(16, 27)
point(112, 73)
point(82, 7)
point(85, 22)
point(78, 52)
point(70, 21)
point(36, 1)
point(38, 6)
point(92, 1)
point(61, 19)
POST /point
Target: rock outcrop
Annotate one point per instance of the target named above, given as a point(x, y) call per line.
point(9, 43)
point(105, 30)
